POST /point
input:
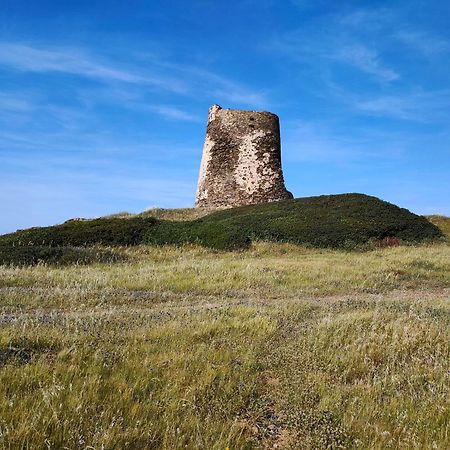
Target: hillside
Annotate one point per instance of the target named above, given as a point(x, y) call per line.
point(331, 221)
point(442, 222)
point(187, 347)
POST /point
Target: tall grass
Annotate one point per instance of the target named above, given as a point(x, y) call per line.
point(267, 270)
point(127, 382)
point(275, 347)
point(368, 375)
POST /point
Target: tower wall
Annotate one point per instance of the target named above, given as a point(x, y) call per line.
point(241, 162)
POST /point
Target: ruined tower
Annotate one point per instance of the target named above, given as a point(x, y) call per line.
point(241, 162)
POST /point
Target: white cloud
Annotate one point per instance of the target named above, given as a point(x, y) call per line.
point(174, 113)
point(156, 73)
point(428, 106)
point(366, 60)
point(425, 43)
point(72, 61)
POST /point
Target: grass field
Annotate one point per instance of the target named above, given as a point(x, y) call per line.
point(277, 346)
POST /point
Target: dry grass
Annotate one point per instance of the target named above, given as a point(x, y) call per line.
point(365, 373)
point(266, 271)
point(442, 222)
point(176, 214)
point(128, 380)
point(189, 348)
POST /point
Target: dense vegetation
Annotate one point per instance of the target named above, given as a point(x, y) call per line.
point(30, 255)
point(80, 232)
point(330, 221)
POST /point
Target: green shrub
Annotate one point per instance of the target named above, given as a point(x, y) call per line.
point(213, 235)
point(32, 255)
point(334, 221)
point(328, 221)
point(78, 233)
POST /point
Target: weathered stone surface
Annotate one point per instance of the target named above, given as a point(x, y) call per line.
point(241, 162)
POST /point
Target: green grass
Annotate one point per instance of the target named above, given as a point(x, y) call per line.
point(335, 221)
point(129, 381)
point(277, 346)
point(265, 271)
point(186, 347)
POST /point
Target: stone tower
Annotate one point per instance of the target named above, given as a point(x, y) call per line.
point(241, 162)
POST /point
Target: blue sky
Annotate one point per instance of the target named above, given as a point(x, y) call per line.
point(103, 104)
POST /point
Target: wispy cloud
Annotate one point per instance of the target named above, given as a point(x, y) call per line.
point(157, 86)
point(156, 73)
point(74, 61)
point(12, 102)
point(174, 113)
point(367, 60)
point(379, 23)
point(306, 141)
point(366, 19)
point(50, 178)
point(325, 46)
point(239, 96)
point(217, 86)
point(426, 43)
point(430, 106)
point(361, 39)
point(47, 197)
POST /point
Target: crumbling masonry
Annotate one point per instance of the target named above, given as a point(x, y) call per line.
point(241, 162)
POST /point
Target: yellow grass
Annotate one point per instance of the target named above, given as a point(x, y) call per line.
point(189, 348)
point(442, 222)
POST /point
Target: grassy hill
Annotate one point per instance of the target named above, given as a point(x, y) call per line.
point(442, 222)
point(279, 346)
point(331, 221)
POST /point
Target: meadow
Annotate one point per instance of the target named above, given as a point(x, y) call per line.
point(277, 346)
